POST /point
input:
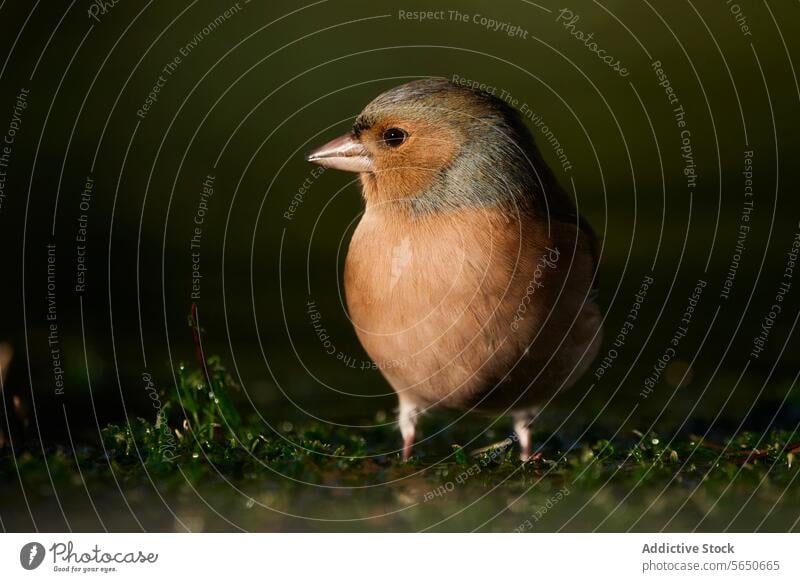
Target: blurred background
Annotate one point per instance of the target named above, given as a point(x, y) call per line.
point(157, 153)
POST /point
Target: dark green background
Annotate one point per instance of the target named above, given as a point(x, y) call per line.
point(277, 79)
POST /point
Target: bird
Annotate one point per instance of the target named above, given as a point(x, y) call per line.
point(471, 279)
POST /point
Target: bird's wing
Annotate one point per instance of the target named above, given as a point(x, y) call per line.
point(573, 218)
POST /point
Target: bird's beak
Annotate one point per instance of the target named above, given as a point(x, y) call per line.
point(343, 153)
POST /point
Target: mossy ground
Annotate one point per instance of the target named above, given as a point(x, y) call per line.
point(199, 466)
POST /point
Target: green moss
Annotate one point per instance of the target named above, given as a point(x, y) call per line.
point(200, 446)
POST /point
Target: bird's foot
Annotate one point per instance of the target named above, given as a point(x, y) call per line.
point(527, 457)
point(409, 415)
point(408, 444)
point(522, 429)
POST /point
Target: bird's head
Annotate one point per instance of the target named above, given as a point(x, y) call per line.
point(431, 145)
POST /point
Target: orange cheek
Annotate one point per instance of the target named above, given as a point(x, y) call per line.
point(408, 173)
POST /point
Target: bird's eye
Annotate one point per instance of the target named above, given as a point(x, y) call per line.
point(394, 137)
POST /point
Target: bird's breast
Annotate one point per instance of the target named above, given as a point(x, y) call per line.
point(445, 303)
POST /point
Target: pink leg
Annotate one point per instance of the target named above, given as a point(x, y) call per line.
point(408, 444)
point(522, 427)
point(409, 414)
